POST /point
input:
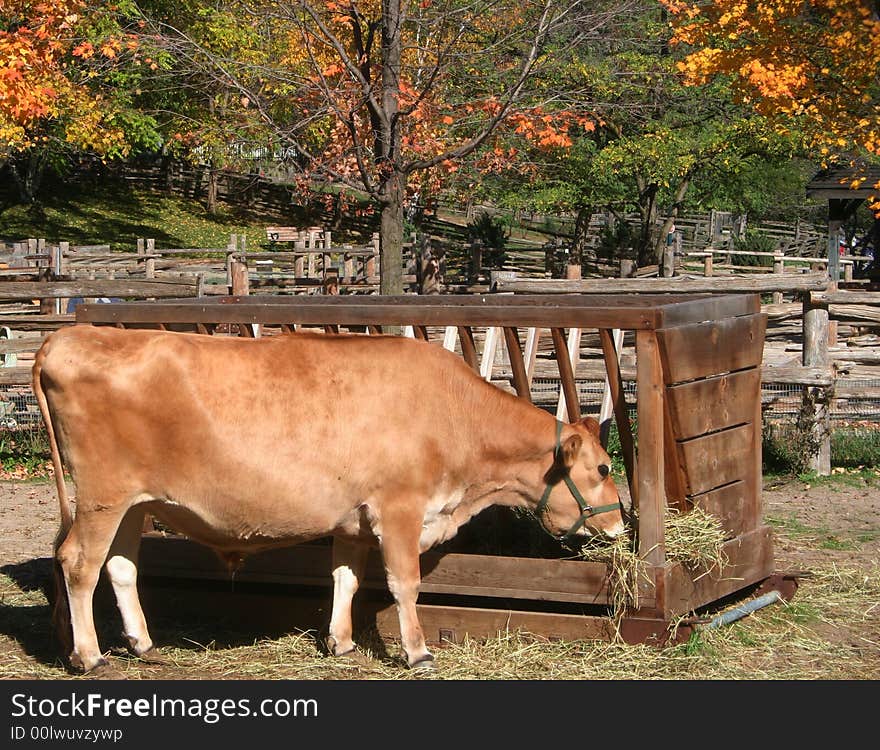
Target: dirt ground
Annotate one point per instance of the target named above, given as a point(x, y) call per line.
point(834, 521)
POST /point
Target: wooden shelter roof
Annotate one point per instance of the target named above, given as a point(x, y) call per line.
point(836, 182)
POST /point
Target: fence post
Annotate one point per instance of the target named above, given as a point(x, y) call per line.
point(299, 262)
point(150, 263)
point(476, 259)
point(778, 268)
point(49, 306)
point(668, 261)
point(60, 268)
point(231, 250)
point(816, 399)
point(240, 280)
point(372, 261)
point(313, 233)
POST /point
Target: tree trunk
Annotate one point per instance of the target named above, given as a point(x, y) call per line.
point(28, 174)
point(648, 214)
point(660, 243)
point(211, 199)
point(388, 155)
point(580, 253)
point(391, 236)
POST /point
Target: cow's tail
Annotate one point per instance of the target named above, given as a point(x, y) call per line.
point(61, 608)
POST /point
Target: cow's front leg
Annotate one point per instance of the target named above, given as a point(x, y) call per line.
point(399, 541)
point(349, 560)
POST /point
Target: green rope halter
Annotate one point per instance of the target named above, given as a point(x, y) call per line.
point(587, 510)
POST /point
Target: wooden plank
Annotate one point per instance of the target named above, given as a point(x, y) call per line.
point(621, 412)
point(728, 504)
point(17, 346)
point(25, 290)
point(752, 514)
point(718, 402)
point(804, 282)
point(714, 460)
point(452, 624)
point(846, 298)
point(711, 348)
point(460, 574)
point(301, 611)
point(362, 314)
point(15, 376)
point(533, 338)
point(651, 476)
point(574, 355)
point(566, 375)
point(490, 346)
point(672, 468)
point(515, 355)
point(358, 310)
point(469, 347)
point(750, 560)
point(611, 343)
point(797, 375)
point(37, 322)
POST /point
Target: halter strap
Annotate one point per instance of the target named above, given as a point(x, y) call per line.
point(587, 510)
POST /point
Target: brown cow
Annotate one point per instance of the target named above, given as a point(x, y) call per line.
point(245, 445)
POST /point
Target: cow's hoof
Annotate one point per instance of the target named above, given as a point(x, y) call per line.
point(357, 658)
point(100, 670)
point(425, 665)
point(105, 671)
point(77, 666)
point(152, 656)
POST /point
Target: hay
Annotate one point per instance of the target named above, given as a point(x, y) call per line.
point(695, 539)
point(830, 631)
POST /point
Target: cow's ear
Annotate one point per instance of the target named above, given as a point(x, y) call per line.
point(569, 450)
point(592, 426)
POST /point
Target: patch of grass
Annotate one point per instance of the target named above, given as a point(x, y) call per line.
point(117, 214)
point(855, 447)
point(842, 478)
point(802, 612)
point(819, 536)
point(24, 453)
point(832, 542)
point(787, 447)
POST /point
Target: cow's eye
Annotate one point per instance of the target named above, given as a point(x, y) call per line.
point(604, 470)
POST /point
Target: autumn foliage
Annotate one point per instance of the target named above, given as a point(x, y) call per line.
point(814, 63)
point(49, 53)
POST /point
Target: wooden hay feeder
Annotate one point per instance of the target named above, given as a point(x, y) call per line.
point(698, 360)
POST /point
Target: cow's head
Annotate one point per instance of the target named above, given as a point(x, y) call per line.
point(579, 498)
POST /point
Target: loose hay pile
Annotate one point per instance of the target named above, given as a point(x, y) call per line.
point(694, 539)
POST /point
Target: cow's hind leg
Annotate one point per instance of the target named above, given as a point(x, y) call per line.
point(349, 561)
point(399, 541)
point(81, 555)
point(122, 571)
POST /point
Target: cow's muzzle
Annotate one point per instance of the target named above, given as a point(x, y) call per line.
point(587, 510)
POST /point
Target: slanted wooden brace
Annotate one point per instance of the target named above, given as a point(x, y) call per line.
point(698, 391)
